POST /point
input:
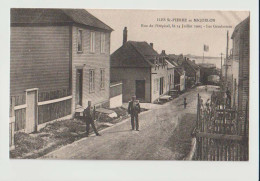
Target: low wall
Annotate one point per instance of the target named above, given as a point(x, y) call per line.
point(116, 101)
point(116, 96)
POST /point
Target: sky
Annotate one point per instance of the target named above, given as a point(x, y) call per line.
point(172, 40)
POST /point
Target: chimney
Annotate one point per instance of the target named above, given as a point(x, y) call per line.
point(163, 52)
point(125, 35)
point(151, 44)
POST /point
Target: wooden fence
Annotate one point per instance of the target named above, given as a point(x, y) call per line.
point(51, 105)
point(220, 133)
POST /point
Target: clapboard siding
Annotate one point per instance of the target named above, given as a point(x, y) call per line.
point(87, 60)
point(39, 58)
point(241, 52)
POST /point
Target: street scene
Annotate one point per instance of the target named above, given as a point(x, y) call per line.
point(91, 84)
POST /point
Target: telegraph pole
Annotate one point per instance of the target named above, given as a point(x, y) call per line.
point(221, 66)
point(226, 58)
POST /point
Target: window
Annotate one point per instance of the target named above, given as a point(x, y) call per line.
point(91, 80)
point(102, 78)
point(102, 42)
point(79, 48)
point(92, 42)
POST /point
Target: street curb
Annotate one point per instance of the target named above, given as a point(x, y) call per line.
point(93, 134)
point(192, 151)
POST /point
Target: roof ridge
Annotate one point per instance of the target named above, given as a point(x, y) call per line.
point(140, 53)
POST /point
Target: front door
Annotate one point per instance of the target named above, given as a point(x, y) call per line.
point(161, 85)
point(140, 89)
point(79, 80)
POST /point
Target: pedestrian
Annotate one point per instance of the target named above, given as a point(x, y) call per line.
point(228, 101)
point(89, 116)
point(134, 109)
point(206, 88)
point(185, 102)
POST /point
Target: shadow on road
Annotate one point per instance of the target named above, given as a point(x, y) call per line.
point(180, 141)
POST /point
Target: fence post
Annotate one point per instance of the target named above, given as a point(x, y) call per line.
point(31, 110)
point(198, 112)
point(12, 123)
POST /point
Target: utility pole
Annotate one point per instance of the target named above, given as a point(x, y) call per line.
point(221, 66)
point(226, 58)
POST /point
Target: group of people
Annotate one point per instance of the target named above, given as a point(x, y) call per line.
point(133, 109)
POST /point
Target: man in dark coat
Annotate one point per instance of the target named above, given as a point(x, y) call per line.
point(134, 109)
point(228, 102)
point(89, 116)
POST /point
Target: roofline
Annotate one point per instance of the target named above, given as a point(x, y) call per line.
point(58, 24)
point(140, 54)
point(239, 24)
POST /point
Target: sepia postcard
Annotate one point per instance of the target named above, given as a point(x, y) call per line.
point(114, 84)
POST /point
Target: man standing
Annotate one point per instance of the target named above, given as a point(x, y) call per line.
point(185, 102)
point(134, 109)
point(228, 102)
point(89, 116)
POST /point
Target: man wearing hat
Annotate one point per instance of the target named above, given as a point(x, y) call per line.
point(134, 110)
point(89, 116)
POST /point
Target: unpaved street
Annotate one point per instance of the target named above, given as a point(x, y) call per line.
point(165, 134)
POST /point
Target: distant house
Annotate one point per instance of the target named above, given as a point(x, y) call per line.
point(61, 52)
point(209, 74)
point(179, 75)
point(141, 69)
point(192, 72)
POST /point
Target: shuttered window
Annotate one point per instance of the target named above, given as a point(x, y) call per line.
point(91, 80)
point(79, 48)
point(92, 42)
point(102, 42)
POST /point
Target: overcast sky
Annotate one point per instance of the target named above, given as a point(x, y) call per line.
point(173, 40)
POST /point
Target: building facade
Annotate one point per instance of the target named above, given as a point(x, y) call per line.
point(57, 49)
point(141, 69)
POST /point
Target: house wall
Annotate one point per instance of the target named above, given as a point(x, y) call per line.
point(156, 74)
point(39, 58)
point(241, 53)
point(182, 82)
point(170, 81)
point(128, 76)
point(86, 60)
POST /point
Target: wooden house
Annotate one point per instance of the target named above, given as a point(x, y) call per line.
point(141, 69)
point(65, 54)
point(241, 70)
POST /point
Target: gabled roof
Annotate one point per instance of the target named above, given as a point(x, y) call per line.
point(134, 54)
point(241, 27)
point(192, 64)
point(51, 16)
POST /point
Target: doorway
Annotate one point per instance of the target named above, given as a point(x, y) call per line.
point(79, 80)
point(140, 89)
point(161, 85)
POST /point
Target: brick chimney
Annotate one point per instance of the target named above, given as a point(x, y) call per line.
point(125, 35)
point(151, 44)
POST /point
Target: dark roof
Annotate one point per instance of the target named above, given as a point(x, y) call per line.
point(50, 16)
point(134, 54)
point(207, 65)
point(241, 26)
point(192, 64)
